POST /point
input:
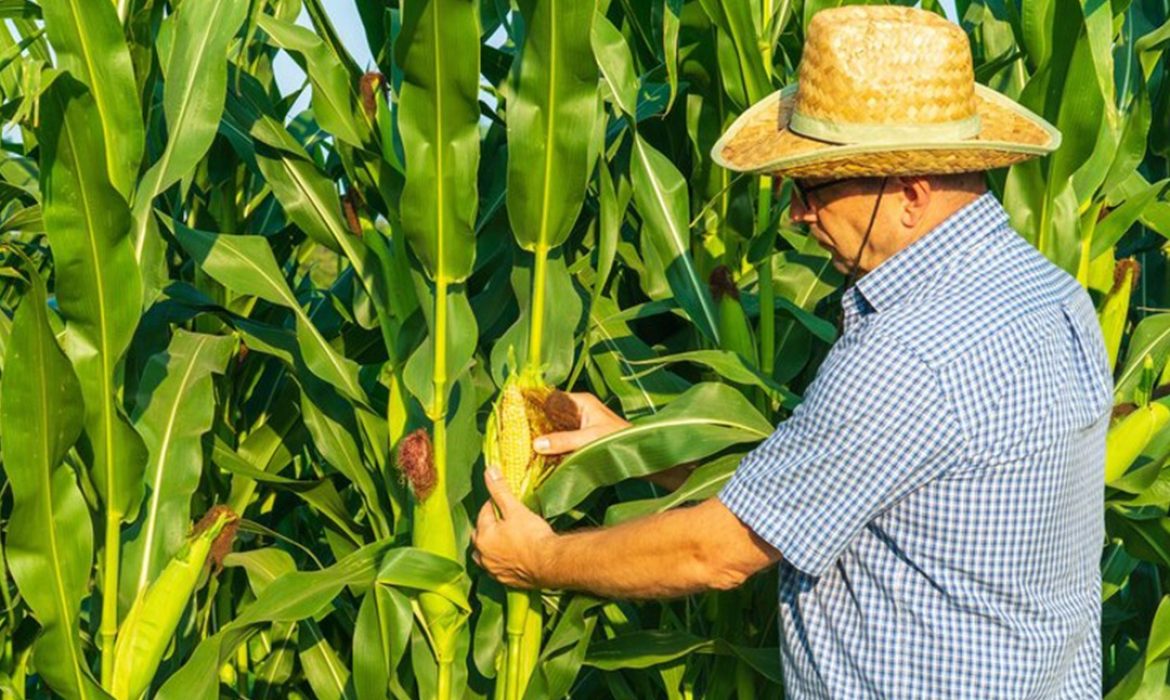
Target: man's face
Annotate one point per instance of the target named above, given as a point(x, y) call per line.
point(838, 212)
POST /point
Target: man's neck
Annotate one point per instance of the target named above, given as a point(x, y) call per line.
point(949, 202)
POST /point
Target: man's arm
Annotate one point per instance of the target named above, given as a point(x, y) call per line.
point(676, 553)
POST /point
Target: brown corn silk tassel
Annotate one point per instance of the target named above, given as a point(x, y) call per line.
point(416, 463)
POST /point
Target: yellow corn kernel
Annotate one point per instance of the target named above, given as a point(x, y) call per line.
point(514, 437)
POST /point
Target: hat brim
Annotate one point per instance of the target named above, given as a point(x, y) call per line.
point(759, 141)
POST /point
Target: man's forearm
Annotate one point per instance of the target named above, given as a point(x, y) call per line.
point(660, 556)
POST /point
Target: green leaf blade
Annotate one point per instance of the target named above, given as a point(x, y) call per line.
point(49, 537)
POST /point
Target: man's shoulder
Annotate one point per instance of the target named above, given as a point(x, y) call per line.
point(995, 289)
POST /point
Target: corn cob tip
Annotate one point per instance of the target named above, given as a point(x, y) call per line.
point(349, 205)
point(561, 411)
point(1123, 269)
point(224, 523)
point(416, 463)
point(371, 82)
point(721, 283)
point(1122, 410)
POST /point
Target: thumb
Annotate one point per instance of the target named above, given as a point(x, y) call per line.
point(570, 440)
point(501, 493)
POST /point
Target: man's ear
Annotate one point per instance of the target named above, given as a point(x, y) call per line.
point(916, 195)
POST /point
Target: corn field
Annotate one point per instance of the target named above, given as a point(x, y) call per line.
point(250, 352)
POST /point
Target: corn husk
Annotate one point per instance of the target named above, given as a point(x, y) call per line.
point(146, 633)
point(1115, 307)
point(1130, 436)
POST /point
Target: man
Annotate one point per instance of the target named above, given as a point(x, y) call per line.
point(934, 503)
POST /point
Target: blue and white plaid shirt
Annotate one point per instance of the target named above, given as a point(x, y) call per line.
point(937, 497)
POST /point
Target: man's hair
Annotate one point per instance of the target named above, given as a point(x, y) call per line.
point(969, 182)
point(960, 181)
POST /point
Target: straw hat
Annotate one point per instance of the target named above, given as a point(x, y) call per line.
point(883, 90)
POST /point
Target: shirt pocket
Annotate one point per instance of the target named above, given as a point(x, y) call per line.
point(1092, 392)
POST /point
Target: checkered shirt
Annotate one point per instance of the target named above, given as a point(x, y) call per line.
point(937, 496)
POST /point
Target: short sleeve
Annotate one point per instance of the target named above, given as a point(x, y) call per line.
point(874, 426)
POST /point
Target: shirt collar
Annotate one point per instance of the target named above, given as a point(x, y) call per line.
point(903, 274)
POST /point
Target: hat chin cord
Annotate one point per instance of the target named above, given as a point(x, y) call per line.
point(852, 278)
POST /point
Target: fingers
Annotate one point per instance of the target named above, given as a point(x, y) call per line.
point(592, 410)
point(487, 518)
point(570, 440)
point(501, 494)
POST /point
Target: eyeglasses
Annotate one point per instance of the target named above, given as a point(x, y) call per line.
point(803, 191)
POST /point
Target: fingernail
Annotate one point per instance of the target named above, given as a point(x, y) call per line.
point(494, 473)
point(540, 444)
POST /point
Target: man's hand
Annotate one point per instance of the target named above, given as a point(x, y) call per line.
point(509, 545)
point(597, 421)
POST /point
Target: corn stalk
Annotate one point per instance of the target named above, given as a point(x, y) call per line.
point(551, 137)
point(438, 117)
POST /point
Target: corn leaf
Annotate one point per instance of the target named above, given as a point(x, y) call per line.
point(660, 194)
point(550, 123)
point(1110, 229)
point(321, 494)
point(461, 334)
point(49, 533)
point(1039, 193)
point(292, 597)
point(613, 348)
point(98, 285)
point(175, 407)
point(334, 428)
point(564, 652)
point(616, 64)
point(246, 265)
point(1150, 337)
point(87, 38)
point(416, 569)
point(19, 8)
point(562, 318)
point(706, 419)
point(438, 115)
point(703, 482)
point(747, 74)
point(334, 105)
point(729, 366)
point(308, 197)
point(193, 96)
point(380, 639)
point(327, 675)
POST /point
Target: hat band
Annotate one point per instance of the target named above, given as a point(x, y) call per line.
point(883, 134)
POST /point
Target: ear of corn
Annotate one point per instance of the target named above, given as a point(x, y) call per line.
point(1130, 436)
point(526, 409)
point(148, 628)
point(1115, 308)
